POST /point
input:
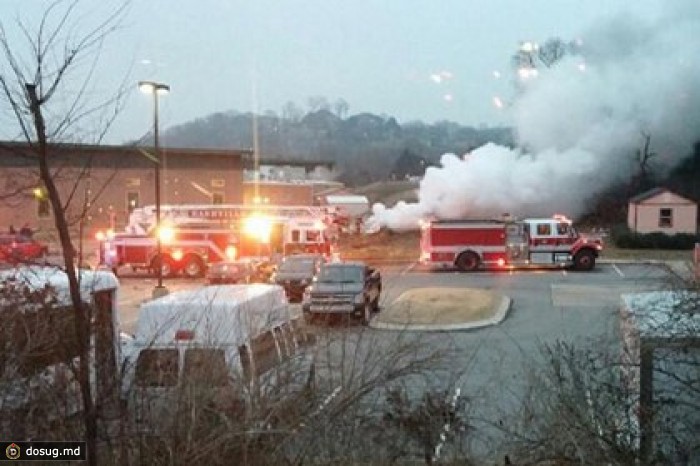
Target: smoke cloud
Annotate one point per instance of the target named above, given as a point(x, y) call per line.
point(580, 123)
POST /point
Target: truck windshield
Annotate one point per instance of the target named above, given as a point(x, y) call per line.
point(341, 275)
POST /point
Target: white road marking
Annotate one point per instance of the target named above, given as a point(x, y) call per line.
point(408, 268)
point(619, 272)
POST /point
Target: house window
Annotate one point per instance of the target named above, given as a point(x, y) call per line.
point(665, 218)
point(217, 198)
point(43, 208)
point(218, 183)
point(132, 200)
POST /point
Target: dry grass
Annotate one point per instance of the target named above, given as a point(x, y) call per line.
point(612, 252)
point(443, 305)
point(384, 245)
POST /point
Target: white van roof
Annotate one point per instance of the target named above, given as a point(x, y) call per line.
point(37, 277)
point(223, 314)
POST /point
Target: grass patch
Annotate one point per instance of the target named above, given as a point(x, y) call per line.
point(613, 252)
point(441, 305)
point(384, 245)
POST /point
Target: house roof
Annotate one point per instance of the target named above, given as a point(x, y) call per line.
point(646, 195)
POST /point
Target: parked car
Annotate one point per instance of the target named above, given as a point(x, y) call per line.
point(231, 272)
point(296, 272)
point(344, 288)
point(19, 248)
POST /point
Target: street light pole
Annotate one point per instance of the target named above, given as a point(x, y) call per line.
point(155, 88)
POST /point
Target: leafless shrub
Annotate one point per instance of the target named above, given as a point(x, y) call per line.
point(333, 413)
point(438, 417)
point(576, 410)
point(583, 407)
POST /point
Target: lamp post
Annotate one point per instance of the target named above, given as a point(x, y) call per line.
point(155, 89)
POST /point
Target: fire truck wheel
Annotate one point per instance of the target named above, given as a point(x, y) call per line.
point(584, 260)
point(167, 268)
point(467, 261)
point(194, 267)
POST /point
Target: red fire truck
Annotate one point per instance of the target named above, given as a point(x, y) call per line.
point(194, 236)
point(507, 243)
point(184, 249)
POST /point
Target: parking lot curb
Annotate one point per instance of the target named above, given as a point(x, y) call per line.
point(501, 312)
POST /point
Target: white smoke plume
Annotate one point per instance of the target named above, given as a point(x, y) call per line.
point(581, 123)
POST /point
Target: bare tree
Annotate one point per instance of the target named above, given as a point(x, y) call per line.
point(317, 103)
point(55, 54)
point(644, 157)
point(341, 107)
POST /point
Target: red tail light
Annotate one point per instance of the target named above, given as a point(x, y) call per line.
point(184, 335)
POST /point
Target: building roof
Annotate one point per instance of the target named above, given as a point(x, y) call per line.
point(646, 195)
point(128, 147)
point(291, 162)
point(346, 199)
point(641, 197)
point(24, 150)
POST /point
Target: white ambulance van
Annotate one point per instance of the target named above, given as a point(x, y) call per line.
point(227, 346)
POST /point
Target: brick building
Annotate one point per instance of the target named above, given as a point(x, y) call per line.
point(107, 182)
point(301, 192)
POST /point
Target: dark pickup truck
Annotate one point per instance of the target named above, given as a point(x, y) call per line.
point(344, 288)
point(295, 273)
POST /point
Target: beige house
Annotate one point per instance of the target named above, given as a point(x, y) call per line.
point(660, 210)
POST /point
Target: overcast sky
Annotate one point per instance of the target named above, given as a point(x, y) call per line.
point(424, 60)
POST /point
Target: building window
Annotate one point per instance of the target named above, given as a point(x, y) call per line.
point(43, 207)
point(217, 198)
point(218, 183)
point(665, 218)
point(132, 201)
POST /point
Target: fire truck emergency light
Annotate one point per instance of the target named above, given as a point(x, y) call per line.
point(177, 255)
point(259, 227)
point(166, 234)
point(104, 235)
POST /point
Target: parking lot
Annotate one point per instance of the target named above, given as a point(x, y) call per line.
point(490, 365)
point(546, 303)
